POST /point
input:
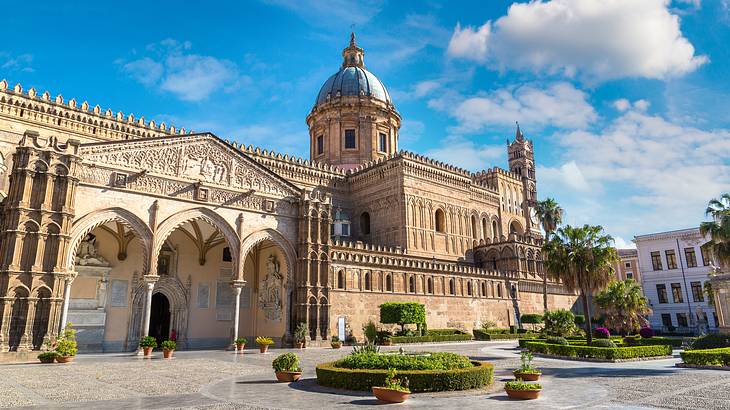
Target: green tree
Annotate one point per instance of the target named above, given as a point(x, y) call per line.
point(718, 229)
point(582, 258)
point(550, 215)
point(403, 313)
point(624, 306)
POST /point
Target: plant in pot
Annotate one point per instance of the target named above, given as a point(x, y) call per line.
point(526, 371)
point(264, 343)
point(517, 389)
point(335, 342)
point(287, 368)
point(48, 357)
point(66, 347)
point(394, 391)
point(300, 334)
point(240, 343)
point(168, 347)
point(148, 343)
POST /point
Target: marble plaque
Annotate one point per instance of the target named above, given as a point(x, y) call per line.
point(223, 295)
point(203, 295)
point(119, 293)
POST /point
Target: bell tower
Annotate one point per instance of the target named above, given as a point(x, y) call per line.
point(521, 158)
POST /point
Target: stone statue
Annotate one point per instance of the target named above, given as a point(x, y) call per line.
point(270, 290)
point(87, 254)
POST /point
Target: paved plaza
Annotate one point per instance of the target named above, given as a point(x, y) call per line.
point(224, 380)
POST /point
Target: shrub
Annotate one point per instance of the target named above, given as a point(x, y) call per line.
point(603, 343)
point(48, 355)
point(520, 385)
point(482, 335)
point(431, 338)
point(632, 340)
point(264, 341)
point(531, 318)
point(579, 320)
point(300, 333)
point(287, 362)
point(605, 353)
point(661, 341)
point(559, 323)
point(382, 335)
point(446, 332)
point(367, 348)
point(601, 333)
point(241, 341)
point(526, 364)
point(479, 374)
point(335, 339)
point(370, 331)
point(148, 341)
point(432, 361)
point(66, 343)
point(402, 313)
point(646, 332)
point(711, 341)
point(488, 324)
point(707, 357)
point(556, 340)
point(393, 383)
point(169, 345)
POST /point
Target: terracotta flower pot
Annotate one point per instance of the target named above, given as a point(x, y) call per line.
point(527, 377)
point(64, 359)
point(523, 394)
point(288, 377)
point(336, 345)
point(240, 347)
point(167, 353)
point(300, 345)
point(263, 348)
point(389, 395)
point(147, 351)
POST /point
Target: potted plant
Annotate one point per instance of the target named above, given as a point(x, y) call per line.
point(148, 343)
point(394, 391)
point(240, 343)
point(526, 371)
point(264, 343)
point(168, 347)
point(517, 389)
point(48, 357)
point(300, 334)
point(335, 342)
point(287, 368)
point(66, 347)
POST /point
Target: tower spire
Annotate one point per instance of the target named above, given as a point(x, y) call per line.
point(518, 133)
point(352, 40)
point(353, 55)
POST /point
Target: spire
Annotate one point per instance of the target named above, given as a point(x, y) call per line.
point(352, 40)
point(353, 55)
point(518, 133)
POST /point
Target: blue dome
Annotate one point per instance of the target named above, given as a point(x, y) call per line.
point(352, 81)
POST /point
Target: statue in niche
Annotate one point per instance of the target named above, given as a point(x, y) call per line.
point(270, 290)
point(88, 255)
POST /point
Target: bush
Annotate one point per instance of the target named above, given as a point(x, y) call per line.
point(431, 338)
point(482, 335)
point(148, 341)
point(707, 357)
point(603, 343)
point(605, 353)
point(579, 320)
point(646, 332)
point(479, 374)
point(382, 335)
point(300, 333)
point(601, 333)
point(287, 362)
point(66, 344)
point(559, 323)
point(48, 355)
point(652, 341)
point(370, 331)
point(531, 318)
point(169, 345)
point(432, 361)
point(711, 341)
point(241, 341)
point(632, 340)
point(367, 348)
point(487, 325)
point(264, 341)
point(557, 340)
point(402, 313)
point(446, 332)
point(520, 385)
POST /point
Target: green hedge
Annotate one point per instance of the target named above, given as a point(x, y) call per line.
point(402, 313)
point(430, 338)
point(654, 341)
point(479, 375)
point(446, 332)
point(707, 357)
point(482, 335)
point(608, 353)
point(432, 361)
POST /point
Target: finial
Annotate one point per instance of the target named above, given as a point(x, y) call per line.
point(518, 133)
point(352, 39)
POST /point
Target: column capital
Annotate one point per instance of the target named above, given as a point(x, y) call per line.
point(150, 281)
point(238, 283)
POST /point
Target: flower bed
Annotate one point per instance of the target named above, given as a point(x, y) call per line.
point(707, 357)
point(431, 338)
point(479, 374)
point(601, 353)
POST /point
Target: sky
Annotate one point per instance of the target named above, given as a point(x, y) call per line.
point(626, 100)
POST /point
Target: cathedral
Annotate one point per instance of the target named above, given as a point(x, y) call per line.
point(127, 227)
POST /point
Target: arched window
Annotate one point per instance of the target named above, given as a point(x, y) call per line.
point(412, 284)
point(484, 289)
point(474, 231)
point(484, 228)
point(495, 233)
point(468, 288)
point(440, 221)
point(429, 284)
point(388, 283)
point(365, 223)
point(499, 290)
point(340, 280)
point(367, 281)
point(452, 288)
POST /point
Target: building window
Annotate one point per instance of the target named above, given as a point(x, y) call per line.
point(666, 320)
point(484, 290)
point(494, 230)
point(350, 139)
point(714, 317)
point(671, 259)
point(388, 283)
point(629, 275)
point(365, 223)
point(440, 221)
point(697, 292)
point(383, 142)
point(320, 144)
point(499, 290)
point(340, 280)
point(367, 281)
point(452, 288)
point(682, 320)
point(627, 264)
point(661, 291)
point(702, 317)
point(345, 229)
point(705, 256)
point(690, 257)
point(677, 293)
point(227, 254)
point(656, 260)
point(412, 284)
point(430, 285)
point(468, 288)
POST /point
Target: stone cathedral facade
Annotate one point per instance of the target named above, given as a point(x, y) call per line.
point(126, 227)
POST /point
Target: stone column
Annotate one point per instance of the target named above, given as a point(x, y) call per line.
point(26, 341)
point(66, 299)
point(5, 326)
point(149, 281)
point(237, 286)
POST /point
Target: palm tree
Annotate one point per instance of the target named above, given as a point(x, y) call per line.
point(718, 229)
point(582, 258)
point(624, 305)
point(550, 215)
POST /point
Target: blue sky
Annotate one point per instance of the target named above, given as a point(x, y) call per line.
point(625, 100)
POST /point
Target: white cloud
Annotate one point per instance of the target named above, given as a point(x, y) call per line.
point(641, 105)
point(621, 243)
point(567, 175)
point(596, 40)
point(466, 154)
point(622, 104)
point(20, 62)
point(559, 104)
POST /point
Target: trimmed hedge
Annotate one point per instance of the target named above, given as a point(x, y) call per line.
point(402, 313)
point(482, 335)
point(446, 332)
point(707, 357)
point(607, 353)
point(654, 341)
point(430, 338)
point(479, 375)
point(433, 361)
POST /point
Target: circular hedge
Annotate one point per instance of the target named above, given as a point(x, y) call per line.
point(479, 375)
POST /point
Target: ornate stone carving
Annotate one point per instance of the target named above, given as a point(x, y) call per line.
point(87, 254)
point(270, 290)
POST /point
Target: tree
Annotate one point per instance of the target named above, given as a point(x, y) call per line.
point(403, 313)
point(624, 305)
point(559, 323)
point(718, 229)
point(550, 215)
point(582, 258)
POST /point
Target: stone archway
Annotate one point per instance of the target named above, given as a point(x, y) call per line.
point(177, 295)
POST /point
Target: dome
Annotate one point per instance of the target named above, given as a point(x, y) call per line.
point(353, 81)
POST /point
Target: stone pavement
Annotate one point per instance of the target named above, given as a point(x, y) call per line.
point(224, 380)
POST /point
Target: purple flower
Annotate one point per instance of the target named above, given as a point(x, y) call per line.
point(602, 333)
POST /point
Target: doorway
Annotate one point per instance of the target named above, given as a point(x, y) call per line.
point(160, 318)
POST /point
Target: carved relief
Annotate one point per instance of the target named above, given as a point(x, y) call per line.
point(270, 290)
